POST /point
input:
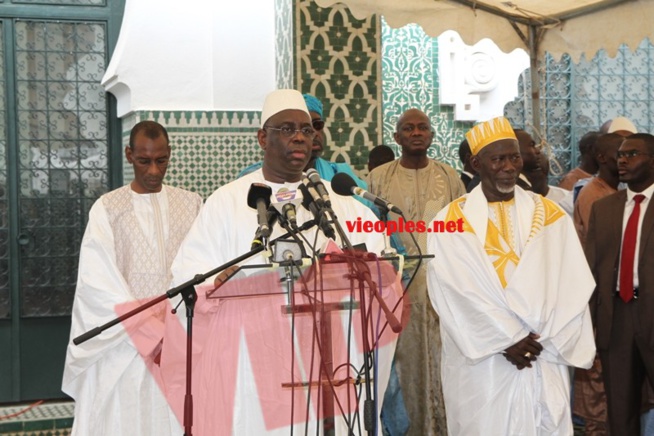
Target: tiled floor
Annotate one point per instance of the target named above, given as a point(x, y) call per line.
point(56, 419)
point(46, 419)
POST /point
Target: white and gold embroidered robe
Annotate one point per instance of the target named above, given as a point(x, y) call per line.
point(487, 303)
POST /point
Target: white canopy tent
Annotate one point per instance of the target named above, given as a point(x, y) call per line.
point(574, 27)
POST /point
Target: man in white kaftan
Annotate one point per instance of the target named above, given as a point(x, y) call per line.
point(512, 293)
point(131, 239)
point(224, 230)
point(226, 226)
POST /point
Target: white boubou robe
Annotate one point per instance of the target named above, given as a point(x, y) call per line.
point(233, 400)
point(547, 293)
point(128, 246)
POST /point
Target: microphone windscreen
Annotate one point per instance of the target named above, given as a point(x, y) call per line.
point(306, 197)
point(313, 175)
point(342, 184)
point(259, 191)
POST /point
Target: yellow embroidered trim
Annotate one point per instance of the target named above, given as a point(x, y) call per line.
point(500, 253)
point(455, 212)
point(546, 213)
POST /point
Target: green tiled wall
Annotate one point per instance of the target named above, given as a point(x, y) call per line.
point(48, 419)
point(338, 62)
point(410, 80)
point(284, 43)
point(209, 149)
point(367, 74)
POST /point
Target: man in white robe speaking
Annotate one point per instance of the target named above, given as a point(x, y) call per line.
point(131, 239)
point(230, 403)
point(512, 292)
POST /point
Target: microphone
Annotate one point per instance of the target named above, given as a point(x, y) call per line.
point(343, 184)
point(259, 199)
point(309, 204)
point(310, 192)
point(286, 205)
point(314, 177)
point(258, 237)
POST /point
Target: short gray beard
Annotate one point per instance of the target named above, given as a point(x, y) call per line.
point(504, 190)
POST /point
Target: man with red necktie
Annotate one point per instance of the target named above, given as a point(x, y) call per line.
point(620, 252)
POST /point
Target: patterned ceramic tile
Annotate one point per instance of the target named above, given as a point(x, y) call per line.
point(52, 419)
point(284, 43)
point(410, 80)
point(338, 63)
point(209, 149)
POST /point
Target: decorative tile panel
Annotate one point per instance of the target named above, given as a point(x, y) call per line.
point(284, 43)
point(410, 80)
point(338, 62)
point(518, 112)
point(51, 419)
point(209, 149)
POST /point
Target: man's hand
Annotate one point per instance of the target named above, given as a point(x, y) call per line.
point(522, 353)
point(225, 275)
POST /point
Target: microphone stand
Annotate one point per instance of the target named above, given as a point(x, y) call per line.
point(362, 274)
point(322, 329)
point(189, 296)
point(293, 231)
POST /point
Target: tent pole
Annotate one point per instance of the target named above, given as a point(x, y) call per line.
point(535, 80)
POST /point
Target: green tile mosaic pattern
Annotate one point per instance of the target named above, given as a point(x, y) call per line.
point(409, 72)
point(49, 419)
point(284, 43)
point(338, 63)
point(209, 148)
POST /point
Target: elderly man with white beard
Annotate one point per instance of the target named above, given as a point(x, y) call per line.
point(518, 316)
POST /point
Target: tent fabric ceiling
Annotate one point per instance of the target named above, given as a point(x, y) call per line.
point(575, 27)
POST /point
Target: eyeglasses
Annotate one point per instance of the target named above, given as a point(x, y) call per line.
point(631, 154)
point(318, 124)
point(289, 132)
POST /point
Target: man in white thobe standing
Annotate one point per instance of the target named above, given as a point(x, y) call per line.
point(234, 403)
point(131, 239)
point(512, 292)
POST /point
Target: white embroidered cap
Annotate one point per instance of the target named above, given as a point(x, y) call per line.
point(281, 100)
point(619, 124)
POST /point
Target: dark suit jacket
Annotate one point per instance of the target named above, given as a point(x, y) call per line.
point(603, 254)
